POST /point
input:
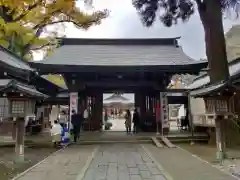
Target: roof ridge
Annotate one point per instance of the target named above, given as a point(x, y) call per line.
point(119, 41)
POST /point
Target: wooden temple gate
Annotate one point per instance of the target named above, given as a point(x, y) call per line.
point(141, 66)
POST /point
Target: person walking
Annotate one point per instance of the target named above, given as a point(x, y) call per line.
point(128, 122)
point(76, 123)
point(105, 118)
point(136, 121)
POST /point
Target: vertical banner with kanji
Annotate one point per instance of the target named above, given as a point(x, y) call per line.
point(164, 110)
point(73, 102)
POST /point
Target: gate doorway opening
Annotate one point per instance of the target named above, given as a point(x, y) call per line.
point(114, 109)
point(178, 112)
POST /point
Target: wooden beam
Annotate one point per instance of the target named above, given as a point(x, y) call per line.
point(119, 83)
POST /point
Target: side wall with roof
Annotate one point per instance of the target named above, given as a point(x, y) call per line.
point(197, 105)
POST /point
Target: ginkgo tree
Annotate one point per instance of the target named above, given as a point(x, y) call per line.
point(22, 22)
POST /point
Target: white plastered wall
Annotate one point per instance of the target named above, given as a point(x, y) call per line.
point(197, 106)
point(54, 113)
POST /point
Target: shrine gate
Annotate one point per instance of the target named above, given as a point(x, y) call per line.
point(92, 67)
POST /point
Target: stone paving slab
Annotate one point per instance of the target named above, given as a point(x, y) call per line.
point(122, 162)
point(182, 165)
point(63, 165)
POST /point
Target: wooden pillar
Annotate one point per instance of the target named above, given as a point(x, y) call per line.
point(98, 104)
point(82, 104)
point(138, 99)
point(151, 96)
point(100, 110)
point(142, 104)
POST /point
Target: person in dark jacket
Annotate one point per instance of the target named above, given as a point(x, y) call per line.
point(76, 123)
point(136, 121)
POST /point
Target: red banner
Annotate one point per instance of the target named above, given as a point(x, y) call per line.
point(158, 112)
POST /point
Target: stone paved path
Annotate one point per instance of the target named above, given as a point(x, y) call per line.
point(122, 162)
point(64, 165)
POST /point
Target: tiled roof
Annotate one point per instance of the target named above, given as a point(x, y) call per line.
point(4, 82)
point(13, 60)
point(119, 52)
point(207, 90)
point(234, 69)
point(31, 90)
point(116, 97)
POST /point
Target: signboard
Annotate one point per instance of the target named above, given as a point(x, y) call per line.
point(164, 110)
point(73, 102)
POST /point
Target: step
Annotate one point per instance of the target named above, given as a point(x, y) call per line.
point(157, 143)
point(187, 136)
point(189, 140)
point(167, 142)
point(91, 142)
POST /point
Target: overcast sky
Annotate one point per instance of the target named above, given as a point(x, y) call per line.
point(124, 22)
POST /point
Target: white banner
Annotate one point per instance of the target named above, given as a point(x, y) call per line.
point(73, 102)
point(164, 110)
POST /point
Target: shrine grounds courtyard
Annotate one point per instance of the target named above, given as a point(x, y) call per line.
point(123, 162)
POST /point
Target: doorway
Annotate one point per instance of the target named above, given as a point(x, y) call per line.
point(114, 109)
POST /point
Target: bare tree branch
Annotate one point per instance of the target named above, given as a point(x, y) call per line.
point(43, 46)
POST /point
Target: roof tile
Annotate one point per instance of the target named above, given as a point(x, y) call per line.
point(119, 55)
point(11, 59)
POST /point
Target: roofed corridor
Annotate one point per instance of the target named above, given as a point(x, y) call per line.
point(123, 162)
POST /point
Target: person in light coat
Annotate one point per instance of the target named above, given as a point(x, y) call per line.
point(128, 122)
point(56, 133)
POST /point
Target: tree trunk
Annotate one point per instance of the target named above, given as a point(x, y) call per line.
point(211, 16)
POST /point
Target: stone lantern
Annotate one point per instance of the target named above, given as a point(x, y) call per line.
point(21, 103)
point(219, 108)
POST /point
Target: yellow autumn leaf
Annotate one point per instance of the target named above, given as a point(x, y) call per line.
point(4, 43)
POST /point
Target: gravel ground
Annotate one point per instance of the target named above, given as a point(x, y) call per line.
point(9, 168)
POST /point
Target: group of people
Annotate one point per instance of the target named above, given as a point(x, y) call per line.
point(61, 126)
point(129, 120)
